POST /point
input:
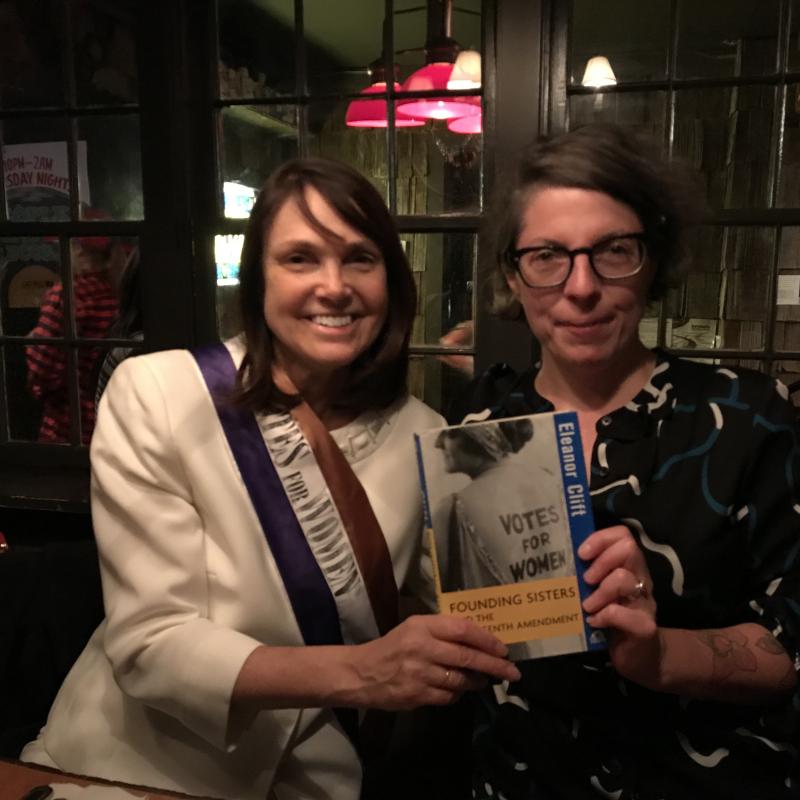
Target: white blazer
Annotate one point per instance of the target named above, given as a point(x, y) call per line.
point(191, 589)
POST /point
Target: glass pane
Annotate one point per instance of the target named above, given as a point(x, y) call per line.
point(256, 48)
point(105, 55)
point(787, 311)
point(632, 35)
point(29, 267)
point(227, 254)
point(789, 373)
point(438, 171)
point(725, 134)
point(113, 152)
point(726, 308)
point(443, 265)
point(362, 148)
point(255, 140)
point(35, 171)
point(738, 37)
point(435, 383)
point(22, 398)
point(644, 112)
point(30, 53)
point(793, 59)
point(338, 51)
point(410, 23)
point(789, 178)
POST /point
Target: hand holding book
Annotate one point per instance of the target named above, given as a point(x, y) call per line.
point(622, 602)
point(426, 660)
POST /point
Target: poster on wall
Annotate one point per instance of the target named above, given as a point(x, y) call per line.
point(36, 180)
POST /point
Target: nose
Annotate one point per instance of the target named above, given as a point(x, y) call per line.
point(333, 283)
point(583, 282)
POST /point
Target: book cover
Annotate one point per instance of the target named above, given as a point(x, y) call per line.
point(506, 506)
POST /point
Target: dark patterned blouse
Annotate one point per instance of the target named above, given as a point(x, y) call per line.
point(703, 466)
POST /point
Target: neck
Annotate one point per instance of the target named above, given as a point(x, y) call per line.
point(595, 388)
point(318, 391)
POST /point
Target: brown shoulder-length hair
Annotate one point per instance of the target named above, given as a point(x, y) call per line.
point(609, 159)
point(378, 376)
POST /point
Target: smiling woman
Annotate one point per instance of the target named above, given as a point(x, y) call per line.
point(256, 508)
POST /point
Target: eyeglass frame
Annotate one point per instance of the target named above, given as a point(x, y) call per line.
point(513, 257)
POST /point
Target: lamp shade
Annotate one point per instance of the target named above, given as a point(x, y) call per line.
point(598, 73)
point(469, 124)
point(466, 71)
point(430, 78)
point(371, 113)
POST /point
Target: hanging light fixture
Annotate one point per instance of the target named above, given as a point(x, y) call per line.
point(472, 123)
point(440, 54)
point(598, 73)
point(371, 113)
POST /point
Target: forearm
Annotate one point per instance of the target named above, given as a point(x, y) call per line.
point(298, 677)
point(742, 664)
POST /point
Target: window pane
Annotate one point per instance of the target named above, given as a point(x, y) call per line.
point(738, 37)
point(644, 112)
point(255, 140)
point(632, 35)
point(438, 171)
point(256, 48)
point(793, 60)
point(435, 383)
point(728, 309)
point(113, 153)
point(362, 148)
point(227, 254)
point(787, 311)
point(443, 265)
point(789, 179)
point(105, 55)
point(29, 267)
point(338, 51)
point(23, 399)
point(30, 53)
point(726, 134)
point(35, 171)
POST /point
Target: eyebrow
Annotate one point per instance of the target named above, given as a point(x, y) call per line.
point(345, 245)
point(604, 238)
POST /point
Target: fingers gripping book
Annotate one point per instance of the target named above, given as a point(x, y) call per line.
point(506, 506)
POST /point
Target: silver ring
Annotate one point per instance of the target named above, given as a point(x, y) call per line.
point(639, 591)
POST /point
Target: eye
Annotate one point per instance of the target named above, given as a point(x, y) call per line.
point(363, 258)
point(299, 258)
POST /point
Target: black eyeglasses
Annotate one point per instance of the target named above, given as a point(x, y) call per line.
point(613, 259)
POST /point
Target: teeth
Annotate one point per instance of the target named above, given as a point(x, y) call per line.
point(333, 322)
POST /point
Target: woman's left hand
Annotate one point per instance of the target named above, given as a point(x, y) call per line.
point(622, 602)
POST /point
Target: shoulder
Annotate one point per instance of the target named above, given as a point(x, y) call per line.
point(499, 391)
point(414, 414)
point(696, 382)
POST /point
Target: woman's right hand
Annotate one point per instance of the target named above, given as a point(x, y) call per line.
point(426, 660)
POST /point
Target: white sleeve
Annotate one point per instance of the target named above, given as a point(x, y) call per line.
point(163, 649)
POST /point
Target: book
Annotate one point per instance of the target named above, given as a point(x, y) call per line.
point(507, 505)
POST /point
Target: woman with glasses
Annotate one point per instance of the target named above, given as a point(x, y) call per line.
point(695, 561)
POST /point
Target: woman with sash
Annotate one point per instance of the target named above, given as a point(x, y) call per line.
point(256, 506)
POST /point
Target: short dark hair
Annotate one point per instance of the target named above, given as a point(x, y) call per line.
point(378, 376)
point(604, 158)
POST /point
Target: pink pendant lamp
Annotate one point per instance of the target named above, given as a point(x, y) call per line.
point(440, 53)
point(371, 113)
point(467, 75)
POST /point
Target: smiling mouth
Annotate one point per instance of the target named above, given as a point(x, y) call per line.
point(333, 321)
point(588, 324)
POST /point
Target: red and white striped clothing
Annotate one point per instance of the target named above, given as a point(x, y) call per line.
point(95, 308)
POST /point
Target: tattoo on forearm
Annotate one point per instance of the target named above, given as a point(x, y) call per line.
point(769, 644)
point(730, 652)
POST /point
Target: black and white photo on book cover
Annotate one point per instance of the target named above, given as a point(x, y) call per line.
point(507, 504)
